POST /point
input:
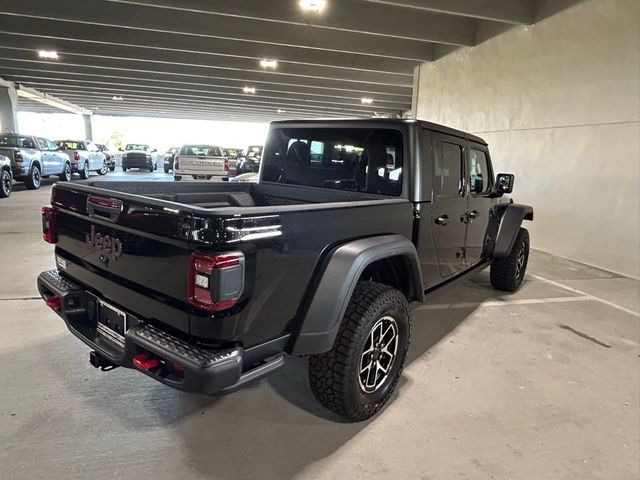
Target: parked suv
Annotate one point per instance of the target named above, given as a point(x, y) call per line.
point(33, 158)
point(85, 156)
point(207, 287)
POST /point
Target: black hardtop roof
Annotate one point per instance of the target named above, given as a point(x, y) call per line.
point(363, 122)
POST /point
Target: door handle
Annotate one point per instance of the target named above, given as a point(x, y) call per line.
point(442, 221)
point(473, 214)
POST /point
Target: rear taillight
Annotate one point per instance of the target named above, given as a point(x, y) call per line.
point(49, 231)
point(215, 282)
point(76, 156)
point(18, 157)
point(226, 165)
point(176, 163)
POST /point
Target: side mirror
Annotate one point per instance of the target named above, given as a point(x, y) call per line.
point(504, 183)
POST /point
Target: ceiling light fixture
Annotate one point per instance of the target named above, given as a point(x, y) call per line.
point(117, 98)
point(48, 54)
point(366, 100)
point(249, 89)
point(313, 5)
point(268, 63)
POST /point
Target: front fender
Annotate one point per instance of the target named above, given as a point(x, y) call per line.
point(511, 217)
point(321, 320)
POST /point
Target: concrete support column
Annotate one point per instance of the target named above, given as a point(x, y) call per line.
point(8, 108)
point(88, 129)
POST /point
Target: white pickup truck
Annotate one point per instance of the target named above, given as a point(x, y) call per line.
point(200, 162)
point(85, 156)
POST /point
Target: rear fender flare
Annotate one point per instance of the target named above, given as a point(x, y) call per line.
point(321, 320)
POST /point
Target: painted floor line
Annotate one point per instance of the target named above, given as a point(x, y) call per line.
point(505, 303)
point(592, 297)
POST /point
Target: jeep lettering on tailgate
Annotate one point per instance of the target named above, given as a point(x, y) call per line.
point(105, 243)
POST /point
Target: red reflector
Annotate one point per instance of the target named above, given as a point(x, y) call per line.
point(145, 362)
point(49, 231)
point(53, 302)
point(226, 165)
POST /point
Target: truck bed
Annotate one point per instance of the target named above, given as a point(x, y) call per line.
point(209, 195)
point(283, 231)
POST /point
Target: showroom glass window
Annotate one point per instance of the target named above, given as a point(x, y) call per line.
point(356, 159)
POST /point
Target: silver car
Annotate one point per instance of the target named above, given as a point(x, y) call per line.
point(201, 162)
point(85, 156)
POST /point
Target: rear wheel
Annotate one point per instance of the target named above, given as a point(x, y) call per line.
point(103, 170)
point(357, 377)
point(84, 173)
point(177, 178)
point(5, 183)
point(507, 273)
point(65, 176)
point(33, 180)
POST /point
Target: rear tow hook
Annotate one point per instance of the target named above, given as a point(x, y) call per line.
point(101, 362)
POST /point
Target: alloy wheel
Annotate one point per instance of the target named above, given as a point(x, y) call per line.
point(378, 355)
point(520, 259)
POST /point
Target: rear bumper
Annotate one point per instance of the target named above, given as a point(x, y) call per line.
point(137, 163)
point(200, 370)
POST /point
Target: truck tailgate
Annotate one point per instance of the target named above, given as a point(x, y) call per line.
point(130, 251)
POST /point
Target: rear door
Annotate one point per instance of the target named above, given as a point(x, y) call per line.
point(480, 180)
point(449, 205)
point(48, 161)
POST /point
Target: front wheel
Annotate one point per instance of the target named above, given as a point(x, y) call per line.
point(65, 176)
point(103, 170)
point(33, 180)
point(507, 273)
point(357, 377)
point(5, 183)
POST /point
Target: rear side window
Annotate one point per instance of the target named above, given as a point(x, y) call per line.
point(358, 159)
point(70, 145)
point(479, 174)
point(201, 150)
point(447, 175)
point(16, 141)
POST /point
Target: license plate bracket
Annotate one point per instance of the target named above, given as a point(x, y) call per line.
point(111, 323)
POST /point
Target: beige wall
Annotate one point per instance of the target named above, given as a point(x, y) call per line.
point(559, 105)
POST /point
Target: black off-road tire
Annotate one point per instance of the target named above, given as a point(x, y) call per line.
point(335, 375)
point(66, 174)
point(5, 183)
point(34, 179)
point(508, 272)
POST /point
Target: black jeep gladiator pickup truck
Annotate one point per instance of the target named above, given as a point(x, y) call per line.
point(206, 287)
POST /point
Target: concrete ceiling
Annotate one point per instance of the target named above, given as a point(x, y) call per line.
point(192, 58)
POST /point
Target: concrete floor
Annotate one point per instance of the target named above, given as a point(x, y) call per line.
point(543, 384)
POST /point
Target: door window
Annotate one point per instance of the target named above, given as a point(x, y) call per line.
point(479, 174)
point(51, 145)
point(447, 178)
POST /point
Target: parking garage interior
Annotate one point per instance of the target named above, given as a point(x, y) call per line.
point(540, 383)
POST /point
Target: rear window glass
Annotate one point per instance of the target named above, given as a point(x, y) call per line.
point(137, 147)
point(16, 141)
point(201, 150)
point(70, 145)
point(357, 159)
